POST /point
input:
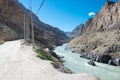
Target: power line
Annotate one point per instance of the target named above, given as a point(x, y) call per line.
point(32, 26)
point(40, 7)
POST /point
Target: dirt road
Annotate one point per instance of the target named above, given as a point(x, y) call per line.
point(19, 62)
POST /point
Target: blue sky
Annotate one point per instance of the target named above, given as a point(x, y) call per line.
point(65, 14)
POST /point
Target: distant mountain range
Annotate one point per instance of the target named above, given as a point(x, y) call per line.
point(75, 32)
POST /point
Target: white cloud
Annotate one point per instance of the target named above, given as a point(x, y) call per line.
point(91, 13)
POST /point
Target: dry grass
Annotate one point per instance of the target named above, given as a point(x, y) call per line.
point(1, 41)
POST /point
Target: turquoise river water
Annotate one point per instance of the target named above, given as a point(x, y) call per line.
point(79, 65)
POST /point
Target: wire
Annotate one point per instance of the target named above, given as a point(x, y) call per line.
point(40, 7)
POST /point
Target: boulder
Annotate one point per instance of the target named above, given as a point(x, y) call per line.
point(116, 61)
point(104, 58)
point(55, 55)
point(92, 63)
point(111, 62)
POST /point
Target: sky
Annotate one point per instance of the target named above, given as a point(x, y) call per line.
point(65, 14)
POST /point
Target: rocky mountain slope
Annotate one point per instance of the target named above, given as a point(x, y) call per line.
point(75, 32)
point(11, 25)
point(100, 38)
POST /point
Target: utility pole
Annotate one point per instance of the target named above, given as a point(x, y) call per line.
point(24, 28)
point(27, 31)
point(32, 26)
point(32, 30)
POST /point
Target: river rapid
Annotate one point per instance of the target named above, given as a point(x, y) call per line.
point(79, 65)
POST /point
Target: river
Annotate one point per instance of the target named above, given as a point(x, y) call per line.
point(79, 65)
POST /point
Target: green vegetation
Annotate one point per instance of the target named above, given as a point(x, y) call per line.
point(1, 41)
point(44, 55)
point(40, 54)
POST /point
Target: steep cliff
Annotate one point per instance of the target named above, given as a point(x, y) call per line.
point(11, 25)
point(100, 38)
point(107, 18)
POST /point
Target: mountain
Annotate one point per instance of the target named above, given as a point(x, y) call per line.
point(100, 38)
point(11, 25)
point(76, 31)
point(67, 32)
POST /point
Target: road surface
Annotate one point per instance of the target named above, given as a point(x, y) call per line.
point(19, 62)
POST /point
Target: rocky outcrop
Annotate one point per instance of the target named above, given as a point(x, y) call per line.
point(107, 18)
point(11, 25)
point(85, 27)
point(101, 36)
point(6, 33)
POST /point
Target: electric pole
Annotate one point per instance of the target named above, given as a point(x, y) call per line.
point(32, 26)
point(32, 30)
point(24, 28)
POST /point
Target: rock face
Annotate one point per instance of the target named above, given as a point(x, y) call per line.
point(11, 25)
point(101, 36)
point(76, 31)
point(107, 18)
point(85, 27)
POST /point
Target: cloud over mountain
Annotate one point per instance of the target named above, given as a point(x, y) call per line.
point(91, 13)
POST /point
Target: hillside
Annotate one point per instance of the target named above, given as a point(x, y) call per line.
point(11, 25)
point(101, 38)
point(76, 32)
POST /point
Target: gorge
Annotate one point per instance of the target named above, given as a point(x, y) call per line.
point(97, 38)
point(100, 35)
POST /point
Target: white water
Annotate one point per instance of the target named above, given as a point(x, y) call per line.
point(79, 65)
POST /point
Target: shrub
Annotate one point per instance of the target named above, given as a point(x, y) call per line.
point(44, 55)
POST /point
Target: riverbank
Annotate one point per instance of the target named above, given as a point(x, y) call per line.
point(104, 47)
point(57, 62)
point(79, 65)
point(19, 62)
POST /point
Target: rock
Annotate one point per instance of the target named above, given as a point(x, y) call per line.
point(61, 68)
point(110, 62)
point(82, 50)
point(62, 57)
point(46, 50)
point(55, 55)
point(86, 55)
point(56, 66)
point(104, 58)
point(92, 63)
point(113, 49)
point(83, 56)
point(85, 28)
point(116, 61)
